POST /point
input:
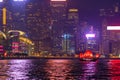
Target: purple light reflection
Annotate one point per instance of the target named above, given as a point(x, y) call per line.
point(18, 69)
point(58, 69)
point(89, 69)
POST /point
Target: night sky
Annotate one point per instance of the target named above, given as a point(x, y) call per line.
point(89, 9)
point(93, 4)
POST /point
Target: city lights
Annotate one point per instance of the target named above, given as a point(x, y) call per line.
point(113, 27)
point(58, 0)
point(18, 0)
point(73, 10)
point(66, 36)
point(1, 0)
point(4, 16)
point(90, 35)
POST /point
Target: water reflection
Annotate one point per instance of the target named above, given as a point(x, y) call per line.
point(114, 69)
point(83, 70)
point(3, 69)
point(58, 69)
point(18, 69)
point(88, 70)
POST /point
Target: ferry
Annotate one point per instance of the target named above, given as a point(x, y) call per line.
point(89, 56)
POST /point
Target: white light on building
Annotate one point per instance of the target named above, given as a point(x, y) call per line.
point(113, 27)
point(90, 35)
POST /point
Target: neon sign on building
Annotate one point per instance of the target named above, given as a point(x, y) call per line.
point(90, 35)
point(113, 27)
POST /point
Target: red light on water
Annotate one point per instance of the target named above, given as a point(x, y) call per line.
point(114, 69)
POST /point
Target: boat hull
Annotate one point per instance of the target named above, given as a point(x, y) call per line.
point(88, 59)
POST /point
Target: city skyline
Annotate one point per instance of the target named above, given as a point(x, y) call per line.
point(46, 22)
point(59, 39)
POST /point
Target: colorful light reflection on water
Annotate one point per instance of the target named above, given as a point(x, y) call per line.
point(59, 69)
point(114, 68)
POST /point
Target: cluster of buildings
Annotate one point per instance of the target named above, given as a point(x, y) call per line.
point(110, 33)
point(54, 26)
point(15, 42)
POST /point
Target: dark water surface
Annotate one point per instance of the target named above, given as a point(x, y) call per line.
point(59, 69)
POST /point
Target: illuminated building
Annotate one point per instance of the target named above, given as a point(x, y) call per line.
point(2, 41)
point(88, 38)
point(110, 17)
point(19, 43)
point(80, 36)
point(58, 18)
point(114, 39)
point(68, 45)
point(5, 12)
point(116, 8)
point(92, 39)
point(92, 42)
point(38, 22)
point(73, 25)
point(17, 14)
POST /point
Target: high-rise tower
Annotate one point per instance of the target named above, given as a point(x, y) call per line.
point(72, 26)
point(58, 18)
point(18, 8)
point(38, 22)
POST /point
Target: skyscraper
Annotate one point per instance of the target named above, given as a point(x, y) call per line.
point(110, 17)
point(5, 12)
point(18, 15)
point(58, 18)
point(72, 26)
point(38, 22)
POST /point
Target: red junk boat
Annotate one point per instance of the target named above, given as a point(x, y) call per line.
point(89, 56)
